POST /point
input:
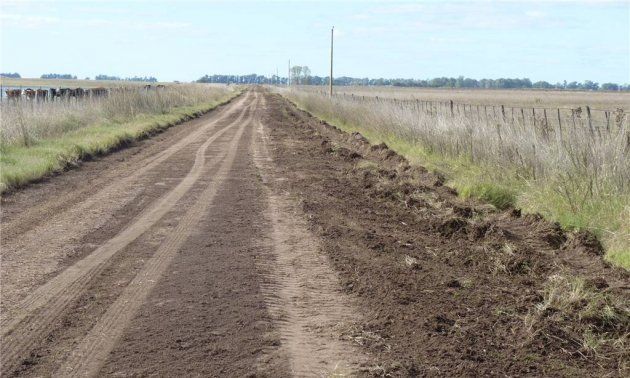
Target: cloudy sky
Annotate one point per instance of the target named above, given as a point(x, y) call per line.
point(183, 40)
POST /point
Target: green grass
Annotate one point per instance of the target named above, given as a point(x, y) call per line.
point(606, 216)
point(20, 165)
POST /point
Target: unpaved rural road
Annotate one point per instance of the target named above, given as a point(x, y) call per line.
point(257, 241)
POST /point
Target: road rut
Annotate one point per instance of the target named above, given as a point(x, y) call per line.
point(132, 230)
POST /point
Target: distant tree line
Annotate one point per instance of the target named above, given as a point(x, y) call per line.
point(302, 75)
point(13, 75)
point(242, 79)
point(148, 79)
point(57, 76)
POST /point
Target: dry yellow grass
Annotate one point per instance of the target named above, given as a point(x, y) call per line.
point(78, 83)
point(507, 97)
point(37, 138)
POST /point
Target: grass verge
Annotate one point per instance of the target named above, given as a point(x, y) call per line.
point(605, 216)
point(20, 165)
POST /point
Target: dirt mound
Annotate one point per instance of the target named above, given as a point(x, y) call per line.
point(584, 242)
point(451, 287)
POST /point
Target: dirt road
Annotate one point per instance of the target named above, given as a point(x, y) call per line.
point(257, 241)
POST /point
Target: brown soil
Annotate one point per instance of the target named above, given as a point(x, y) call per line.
point(259, 241)
point(446, 286)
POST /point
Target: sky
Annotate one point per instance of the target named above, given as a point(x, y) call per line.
point(184, 40)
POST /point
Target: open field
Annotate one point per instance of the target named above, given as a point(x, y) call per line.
point(574, 174)
point(78, 83)
point(41, 137)
point(519, 98)
point(256, 240)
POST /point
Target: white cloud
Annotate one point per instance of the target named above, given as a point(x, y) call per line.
point(30, 22)
point(399, 8)
point(535, 14)
point(36, 21)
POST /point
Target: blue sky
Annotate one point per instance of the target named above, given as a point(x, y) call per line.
point(183, 40)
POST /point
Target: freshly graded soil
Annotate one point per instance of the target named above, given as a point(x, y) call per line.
point(447, 287)
point(260, 241)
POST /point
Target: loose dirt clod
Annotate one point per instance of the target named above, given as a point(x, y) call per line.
point(484, 324)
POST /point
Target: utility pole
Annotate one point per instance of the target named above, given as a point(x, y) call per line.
point(332, 33)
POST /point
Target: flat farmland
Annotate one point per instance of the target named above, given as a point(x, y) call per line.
point(78, 83)
point(520, 98)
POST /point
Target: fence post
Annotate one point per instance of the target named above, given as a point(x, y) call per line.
point(534, 115)
point(503, 112)
point(588, 117)
point(559, 121)
point(452, 114)
point(607, 121)
point(523, 116)
point(485, 113)
point(545, 114)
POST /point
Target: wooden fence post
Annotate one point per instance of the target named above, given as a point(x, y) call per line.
point(451, 103)
point(607, 120)
point(534, 115)
point(503, 112)
point(523, 116)
point(588, 117)
point(485, 112)
point(559, 121)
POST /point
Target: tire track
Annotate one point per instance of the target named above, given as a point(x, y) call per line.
point(49, 242)
point(91, 353)
point(58, 204)
point(302, 289)
point(47, 303)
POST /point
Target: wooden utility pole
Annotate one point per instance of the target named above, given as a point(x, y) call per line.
point(332, 34)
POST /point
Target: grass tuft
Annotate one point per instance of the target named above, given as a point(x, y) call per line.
point(590, 320)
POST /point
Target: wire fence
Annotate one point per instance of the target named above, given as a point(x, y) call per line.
point(597, 120)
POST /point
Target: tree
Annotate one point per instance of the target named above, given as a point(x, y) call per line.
point(542, 85)
point(610, 87)
point(58, 76)
point(296, 72)
point(591, 86)
point(13, 75)
point(306, 75)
